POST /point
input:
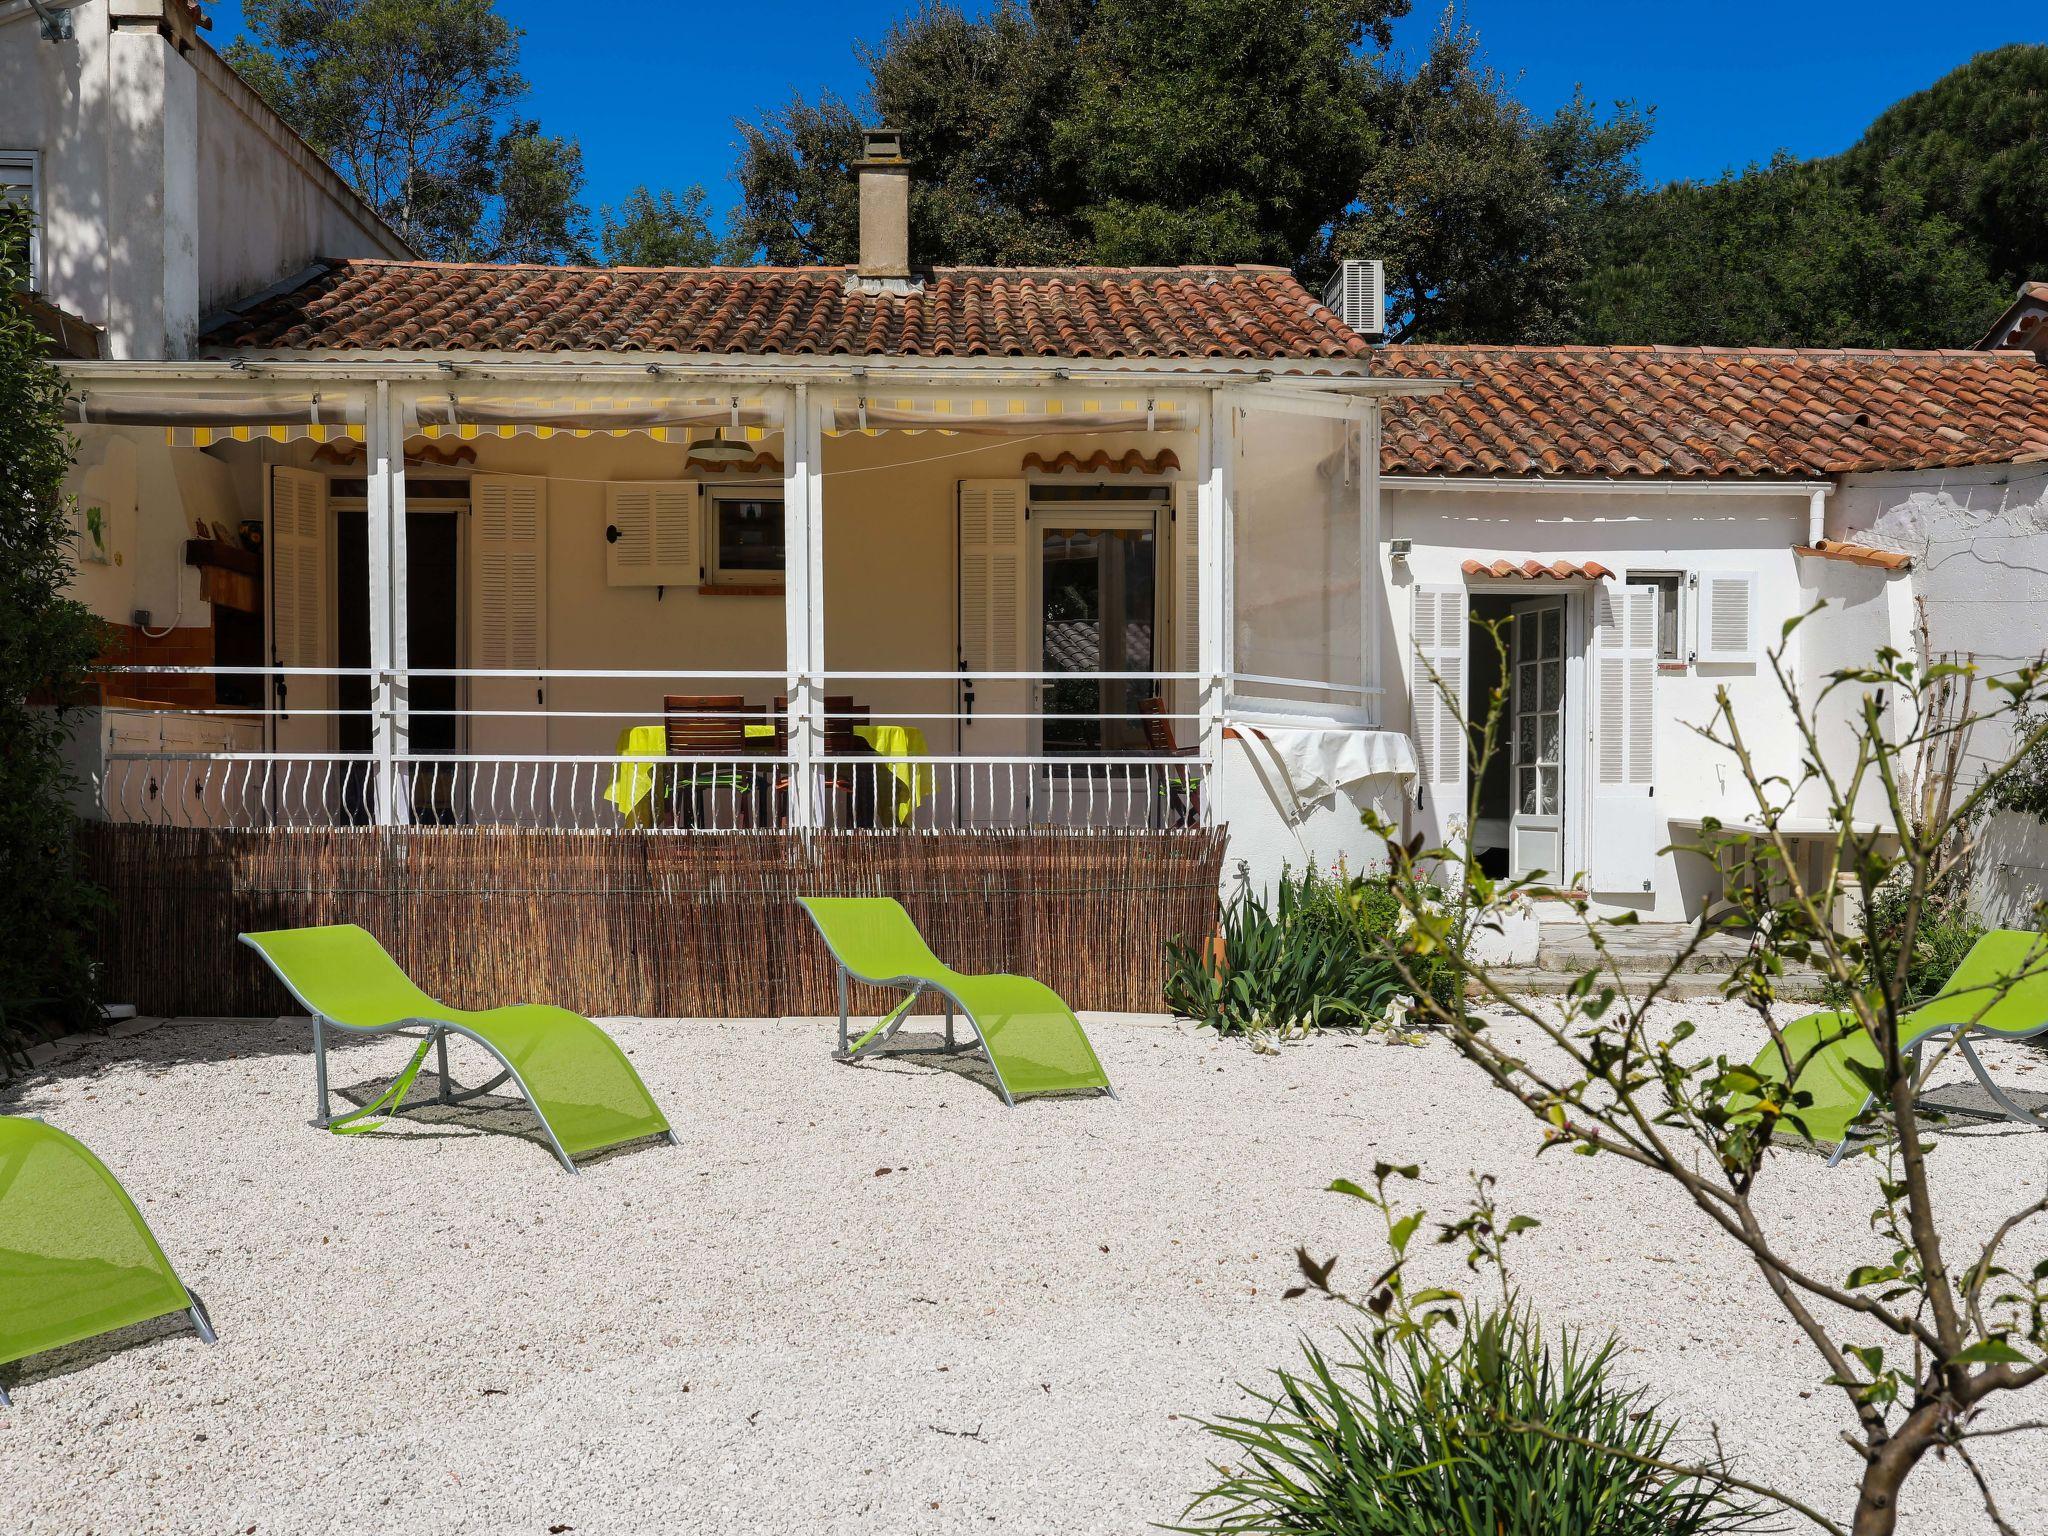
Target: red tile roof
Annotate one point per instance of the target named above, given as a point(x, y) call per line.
point(1710, 413)
point(1534, 570)
point(1258, 313)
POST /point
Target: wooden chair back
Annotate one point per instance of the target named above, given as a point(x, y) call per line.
point(1158, 729)
point(706, 724)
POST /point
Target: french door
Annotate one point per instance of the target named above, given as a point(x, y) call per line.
point(1536, 751)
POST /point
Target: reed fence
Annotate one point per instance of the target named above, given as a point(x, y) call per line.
point(701, 927)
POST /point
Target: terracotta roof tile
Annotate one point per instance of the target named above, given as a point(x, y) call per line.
point(1710, 413)
point(1253, 313)
point(1536, 570)
point(1857, 554)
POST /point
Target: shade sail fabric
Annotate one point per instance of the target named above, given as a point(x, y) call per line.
point(76, 1258)
point(1313, 765)
point(1024, 412)
point(612, 414)
point(201, 415)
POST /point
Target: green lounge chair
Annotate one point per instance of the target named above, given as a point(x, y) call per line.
point(1031, 1038)
point(76, 1258)
point(578, 1081)
point(1834, 1043)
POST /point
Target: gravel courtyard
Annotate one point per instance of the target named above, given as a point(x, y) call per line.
point(858, 1299)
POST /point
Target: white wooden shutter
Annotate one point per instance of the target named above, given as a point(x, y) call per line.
point(1727, 616)
point(299, 606)
point(993, 632)
point(508, 608)
point(1436, 702)
point(658, 543)
point(1628, 834)
point(1187, 601)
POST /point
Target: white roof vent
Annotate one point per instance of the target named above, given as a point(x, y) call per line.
point(1357, 291)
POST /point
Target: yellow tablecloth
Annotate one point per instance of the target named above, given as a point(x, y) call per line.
point(632, 786)
point(900, 749)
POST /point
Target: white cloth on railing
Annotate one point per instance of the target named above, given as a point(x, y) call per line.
point(1315, 764)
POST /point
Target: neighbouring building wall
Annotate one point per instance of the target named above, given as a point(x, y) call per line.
point(1979, 541)
point(165, 187)
point(1660, 531)
point(267, 204)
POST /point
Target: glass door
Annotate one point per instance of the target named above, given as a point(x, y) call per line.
point(1536, 750)
point(1098, 612)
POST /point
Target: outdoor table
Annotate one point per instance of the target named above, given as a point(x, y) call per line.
point(898, 748)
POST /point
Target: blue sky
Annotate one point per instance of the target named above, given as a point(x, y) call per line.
point(651, 87)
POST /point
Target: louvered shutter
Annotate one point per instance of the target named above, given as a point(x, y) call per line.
point(993, 636)
point(1727, 617)
point(508, 607)
point(658, 542)
point(299, 621)
point(1187, 601)
point(1436, 701)
point(1627, 831)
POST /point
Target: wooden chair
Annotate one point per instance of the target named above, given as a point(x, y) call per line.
point(842, 715)
point(699, 726)
point(1179, 793)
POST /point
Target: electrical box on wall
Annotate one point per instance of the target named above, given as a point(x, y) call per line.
point(651, 534)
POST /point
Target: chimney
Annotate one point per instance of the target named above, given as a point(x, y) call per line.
point(884, 205)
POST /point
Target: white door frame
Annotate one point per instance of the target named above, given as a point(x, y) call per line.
point(1578, 730)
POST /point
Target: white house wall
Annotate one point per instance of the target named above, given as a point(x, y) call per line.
point(150, 496)
point(1979, 542)
point(1654, 531)
point(166, 187)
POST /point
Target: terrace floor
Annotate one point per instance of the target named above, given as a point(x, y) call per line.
point(857, 1299)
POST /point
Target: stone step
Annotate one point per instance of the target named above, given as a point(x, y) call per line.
point(1686, 986)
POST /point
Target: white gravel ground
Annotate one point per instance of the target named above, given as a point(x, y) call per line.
point(1010, 1329)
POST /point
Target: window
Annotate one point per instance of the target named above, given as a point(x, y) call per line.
point(1670, 587)
point(21, 182)
point(745, 538)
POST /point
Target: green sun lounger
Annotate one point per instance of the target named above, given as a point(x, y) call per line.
point(76, 1258)
point(579, 1082)
point(1970, 1004)
point(1030, 1037)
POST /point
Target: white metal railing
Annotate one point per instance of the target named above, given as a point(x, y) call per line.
point(798, 774)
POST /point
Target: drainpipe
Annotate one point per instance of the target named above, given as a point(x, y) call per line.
point(1817, 516)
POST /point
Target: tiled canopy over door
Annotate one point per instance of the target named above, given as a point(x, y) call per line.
point(993, 615)
point(1627, 830)
point(508, 609)
point(299, 598)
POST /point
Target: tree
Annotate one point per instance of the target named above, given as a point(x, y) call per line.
point(412, 100)
point(1484, 215)
point(1087, 130)
point(1921, 1341)
point(1971, 149)
point(664, 229)
point(47, 641)
point(1789, 254)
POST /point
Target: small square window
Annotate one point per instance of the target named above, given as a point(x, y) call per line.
point(745, 536)
point(1670, 587)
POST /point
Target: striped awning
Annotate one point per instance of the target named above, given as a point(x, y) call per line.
point(665, 418)
point(1537, 570)
point(198, 416)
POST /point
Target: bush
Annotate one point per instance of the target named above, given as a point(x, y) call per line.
point(1946, 930)
point(1398, 1439)
point(47, 981)
point(1316, 958)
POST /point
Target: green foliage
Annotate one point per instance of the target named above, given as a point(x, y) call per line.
point(411, 100)
point(2024, 788)
point(1504, 1434)
point(665, 229)
point(1789, 254)
point(1068, 131)
point(1315, 958)
point(1485, 215)
point(47, 639)
point(1941, 937)
point(1971, 149)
